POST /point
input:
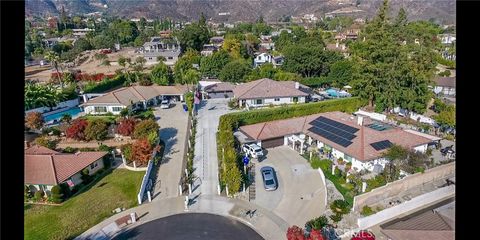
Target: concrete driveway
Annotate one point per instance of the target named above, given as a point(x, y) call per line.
point(173, 129)
point(301, 193)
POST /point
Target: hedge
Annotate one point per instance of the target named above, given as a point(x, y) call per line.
point(105, 85)
point(229, 160)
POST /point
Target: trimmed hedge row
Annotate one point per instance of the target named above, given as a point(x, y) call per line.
point(105, 85)
point(229, 160)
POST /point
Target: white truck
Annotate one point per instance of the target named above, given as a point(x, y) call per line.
point(252, 150)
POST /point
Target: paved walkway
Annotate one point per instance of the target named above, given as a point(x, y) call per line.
point(205, 161)
point(173, 130)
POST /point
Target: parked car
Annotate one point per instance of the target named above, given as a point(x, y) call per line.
point(268, 176)
point(165, 104)
point(253, 150)
point(317, 98)
point(447, 150)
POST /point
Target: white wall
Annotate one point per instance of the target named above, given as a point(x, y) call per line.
point(91, 109)
point(268, 101)
point(421, 148)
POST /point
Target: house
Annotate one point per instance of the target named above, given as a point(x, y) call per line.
point(263, 58)
point(45, 168)
point(277, 33)
point(208, 49)
point(265, 92)
point(348, 34)
point(169, 48)
point(437, 222)
point(355, 139)
point(133, 97)
point(267, 44)
point(217, 41)
point(81, 32)
point(219, 90)
point(337, 47)
point(445, 86)
point(447, 38)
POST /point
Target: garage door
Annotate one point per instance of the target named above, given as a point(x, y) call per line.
point(220, 94)
point(273, 142)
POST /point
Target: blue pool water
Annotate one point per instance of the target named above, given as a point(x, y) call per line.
point(72, 111)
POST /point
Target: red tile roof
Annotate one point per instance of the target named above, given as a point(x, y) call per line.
point(37, 149)
point(445, 81)
point(51, 169)
point(268, 130)
point(267, 88)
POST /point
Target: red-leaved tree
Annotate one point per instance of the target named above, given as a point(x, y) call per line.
point(295, 233)
point(126, 127)
point(34, 120)
point(316, 235)
point(77, 129)
point(141, 151)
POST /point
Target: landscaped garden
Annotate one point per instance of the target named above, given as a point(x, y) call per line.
point(118, 189)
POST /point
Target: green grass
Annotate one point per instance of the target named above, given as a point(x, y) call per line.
point(78, 214)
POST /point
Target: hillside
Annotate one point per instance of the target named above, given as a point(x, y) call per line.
point(242, 10)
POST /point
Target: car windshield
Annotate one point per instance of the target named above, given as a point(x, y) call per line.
point(269, 182)
point(258, 150)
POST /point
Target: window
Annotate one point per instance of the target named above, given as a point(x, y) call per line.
point(348, 158)
point(149, 58)
point(295, 99)
point(116, 109)
point(93, 165)
point(277, 99)
point(259, 101)
point(170, 57)
point(100, 109)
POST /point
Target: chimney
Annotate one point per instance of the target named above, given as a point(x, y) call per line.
point(360, 120)
point(336, 44)
point(297, 85)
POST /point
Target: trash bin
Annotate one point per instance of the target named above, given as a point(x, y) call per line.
point(185, 108)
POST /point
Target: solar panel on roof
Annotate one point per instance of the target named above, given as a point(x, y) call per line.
point(330, 136)
point(381, 145)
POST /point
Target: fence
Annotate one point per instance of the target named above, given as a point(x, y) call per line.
point(324, 184)
point(394, 188)
point(185, 152)
point(146, 177)
point(60, 107)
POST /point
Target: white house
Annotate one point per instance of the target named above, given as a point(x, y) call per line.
point(134, 97)
point(166, 47)
point(263, 58)
point(358, 140)
point(445, 86)
point(266, 92)
point(45, 168)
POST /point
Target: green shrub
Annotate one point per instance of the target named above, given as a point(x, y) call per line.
point(86, 178)
point(144, 128)
point(97, 129)
point(39, 195)
point(65, 189)
point(375, 182)
point(105, 85)
point(340, 207)
point(28, 193)
point(317, 223)
point(367, 211)
point(46, 142)
point(69, 150)
point(336, 218)
point(57, 196)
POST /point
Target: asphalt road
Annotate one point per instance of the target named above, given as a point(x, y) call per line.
point(192, 226)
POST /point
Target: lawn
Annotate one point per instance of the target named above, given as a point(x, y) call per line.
point(78, 214)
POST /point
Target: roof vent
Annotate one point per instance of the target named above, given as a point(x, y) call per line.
point(360, 120)
point(297, 85)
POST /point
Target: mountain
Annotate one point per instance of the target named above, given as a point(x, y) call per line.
point(243, 10)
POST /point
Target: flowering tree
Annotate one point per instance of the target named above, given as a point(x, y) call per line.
point(316, 235)
point(34, 120)
point(126, 127)
point(141, 151)
point(144, 128)
point(77, 129)
point(295, 233)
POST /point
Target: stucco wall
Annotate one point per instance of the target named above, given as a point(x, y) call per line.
point(60, 107)
point(405, 184)
point(91, 109)
point(268, 101)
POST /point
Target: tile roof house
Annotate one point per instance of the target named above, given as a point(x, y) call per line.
point(361, 149)
point(45, 168)
point(169, 48)
point(445, 86)
point(265, 92)
point(133, 97)
point(436, 224)
point(219, 90)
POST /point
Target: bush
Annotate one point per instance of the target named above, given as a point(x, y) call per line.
point(126, 127)
point(77, 129)
point(97, 129)
point(340, 207)
point(57, 196)
point(105, 85)
point(65, 190)
point(53, 130)
point(142, 151)
point(69, 150)
point(45, 142)
point(127, 152)
point(27, 192)
point(144, 128)
point(39, 195)
point(336, 218)
point(367, 211)
point(86, 178)
point(233, 103)
point(34, 120)
point(317, 223)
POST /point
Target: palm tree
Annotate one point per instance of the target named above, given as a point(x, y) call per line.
point(52, 57)
point(191, 76)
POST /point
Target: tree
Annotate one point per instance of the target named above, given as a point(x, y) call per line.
point(191, 76)
point(309, 61)
point(37, 95)
point(283, 40)
point(57, 196)
point(127, 152)
point(193, 36)
point(53, 58)
point(126, 127)
point(317, 223)
point(77, 129)
point(144, 128)
point(152, 138)
point(184, 63)
point(446, 117)
point(97, 129)
point(82, 44)
point(212, 65)
point(102, 41)
point(45, 142)
point(161, 74)
point(235, 71)
point(341, 73)
point(34, 120)
point(141, 151)
point(295, 233)
point(232, 46)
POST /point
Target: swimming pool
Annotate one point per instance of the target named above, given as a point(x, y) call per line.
point(74, 112)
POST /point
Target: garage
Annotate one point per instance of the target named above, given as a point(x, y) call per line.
point(272, 142)
point(220, 95)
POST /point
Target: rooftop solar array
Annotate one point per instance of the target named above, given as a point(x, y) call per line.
point(379, 126)
point(381, 145)
point(334, 131)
